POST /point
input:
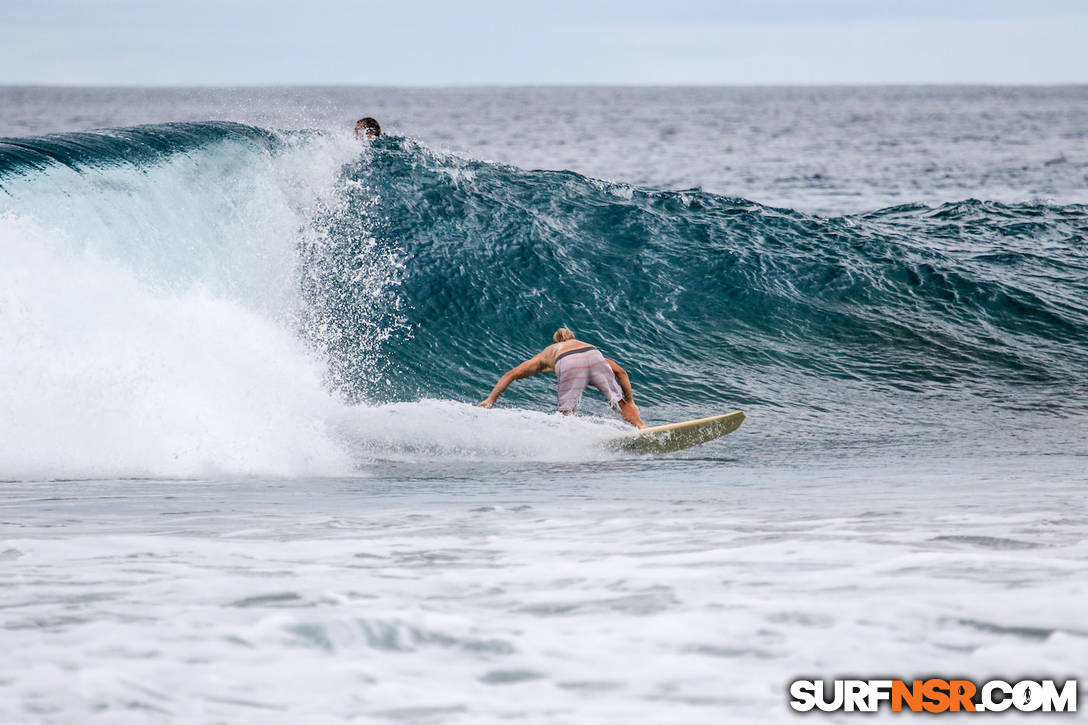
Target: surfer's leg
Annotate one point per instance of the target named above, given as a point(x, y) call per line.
point(569, 399)
point(572, 376)
point(629, 411)
point(601, 377)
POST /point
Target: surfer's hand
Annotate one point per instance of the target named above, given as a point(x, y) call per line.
point(485, 403)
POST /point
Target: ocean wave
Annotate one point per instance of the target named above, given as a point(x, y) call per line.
point(214, 296)
point(705, 295)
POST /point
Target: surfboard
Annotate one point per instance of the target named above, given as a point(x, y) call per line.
point(678, 436)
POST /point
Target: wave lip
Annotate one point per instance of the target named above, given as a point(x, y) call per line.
point(136, 146)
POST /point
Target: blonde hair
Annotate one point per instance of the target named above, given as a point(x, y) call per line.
point(562, 335)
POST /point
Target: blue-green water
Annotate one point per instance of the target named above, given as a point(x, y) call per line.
point(244, 479)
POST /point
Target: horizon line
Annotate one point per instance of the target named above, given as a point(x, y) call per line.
point(550, 85)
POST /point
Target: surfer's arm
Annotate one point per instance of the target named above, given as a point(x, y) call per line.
point(527, 369)
point(624, 381)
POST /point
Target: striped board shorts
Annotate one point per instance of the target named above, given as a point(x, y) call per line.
point(585, 366)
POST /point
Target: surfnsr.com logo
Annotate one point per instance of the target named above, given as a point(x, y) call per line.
point(933, 695)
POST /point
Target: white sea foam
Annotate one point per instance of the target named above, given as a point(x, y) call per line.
point(442, 429)
point(582, 594)
point(107, 374)
point(147, 322)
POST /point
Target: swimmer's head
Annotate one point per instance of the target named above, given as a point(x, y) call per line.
point(367, 127)
point(562, 335)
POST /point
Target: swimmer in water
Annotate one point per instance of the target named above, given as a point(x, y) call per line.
point(368, 128)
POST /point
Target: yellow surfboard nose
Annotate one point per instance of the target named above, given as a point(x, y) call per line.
point(678, 436)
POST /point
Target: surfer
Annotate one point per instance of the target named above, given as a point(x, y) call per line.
point(367, 127)
point(576, 365)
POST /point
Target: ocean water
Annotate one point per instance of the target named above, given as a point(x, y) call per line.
point(243, 479)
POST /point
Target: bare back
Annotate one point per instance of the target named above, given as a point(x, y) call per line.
point(545, 359)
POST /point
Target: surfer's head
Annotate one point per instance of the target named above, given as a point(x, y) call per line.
point(367, 127)
point(562, 335)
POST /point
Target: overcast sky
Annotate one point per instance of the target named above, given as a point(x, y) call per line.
point(406, 42)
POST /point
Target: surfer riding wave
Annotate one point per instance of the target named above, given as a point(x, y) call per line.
point(576, 365)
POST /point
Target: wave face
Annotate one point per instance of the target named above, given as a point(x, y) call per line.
point(717, 301)
point(199, 297)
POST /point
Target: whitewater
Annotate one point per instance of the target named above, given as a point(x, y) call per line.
point(244, 479)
